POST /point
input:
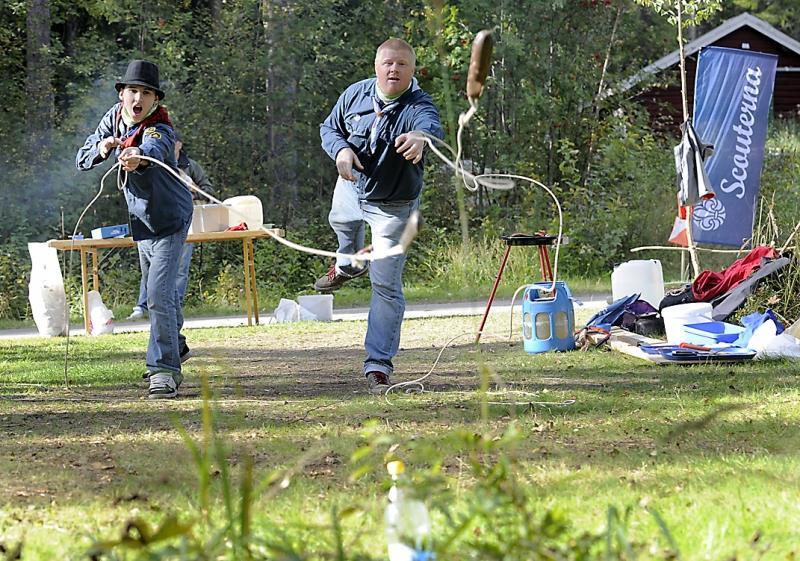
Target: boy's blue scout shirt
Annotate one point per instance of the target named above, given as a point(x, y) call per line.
point(387, 175)
point(159, 205)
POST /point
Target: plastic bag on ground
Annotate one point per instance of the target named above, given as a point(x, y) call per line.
point(780, 347)
point(287, 310)
point(46, 292)
point(101, 318)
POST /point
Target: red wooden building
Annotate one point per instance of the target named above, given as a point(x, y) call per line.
point(741, 32)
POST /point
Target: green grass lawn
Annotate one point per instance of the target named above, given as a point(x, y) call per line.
point(711, 448)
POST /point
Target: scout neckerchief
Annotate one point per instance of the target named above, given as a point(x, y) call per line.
point(379, 113)
point(382, 104)
point(159, 115)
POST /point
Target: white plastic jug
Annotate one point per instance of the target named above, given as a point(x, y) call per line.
point(245, 208)
point(675, 317)
point(642, 277)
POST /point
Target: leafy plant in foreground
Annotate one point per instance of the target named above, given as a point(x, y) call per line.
point(482, 505)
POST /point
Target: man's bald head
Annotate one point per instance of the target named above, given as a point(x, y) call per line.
point(394, 67)
point(395, 44)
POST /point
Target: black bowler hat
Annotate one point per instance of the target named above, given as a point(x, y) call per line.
point(141, 73)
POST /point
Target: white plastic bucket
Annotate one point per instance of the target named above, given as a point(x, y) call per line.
point(643, 277)
point(675, 317)
point(245, 208)
point(316, 307)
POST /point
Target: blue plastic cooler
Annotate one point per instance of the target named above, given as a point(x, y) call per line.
point(548, 320)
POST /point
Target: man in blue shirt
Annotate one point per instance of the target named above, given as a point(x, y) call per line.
point(373, 134)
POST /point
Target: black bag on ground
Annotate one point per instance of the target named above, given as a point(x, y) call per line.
point(682, 295)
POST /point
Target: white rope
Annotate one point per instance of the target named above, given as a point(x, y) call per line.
point(672, 248)
point(416, 385)
point(410, 232)
point(418, 381)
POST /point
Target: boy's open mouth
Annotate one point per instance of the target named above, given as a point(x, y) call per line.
point(137, 110)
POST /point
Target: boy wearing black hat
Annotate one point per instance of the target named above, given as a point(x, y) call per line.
point(159, 205)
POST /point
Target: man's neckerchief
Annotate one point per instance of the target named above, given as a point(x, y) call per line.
point(160, 115)
point(382, 105)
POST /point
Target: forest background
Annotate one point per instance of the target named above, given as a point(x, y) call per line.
point(248, 81)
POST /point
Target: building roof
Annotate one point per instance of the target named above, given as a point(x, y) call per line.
point(726, 28)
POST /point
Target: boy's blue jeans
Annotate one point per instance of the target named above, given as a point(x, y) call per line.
point(182, 281)
point(159, 260)
point(349, 213)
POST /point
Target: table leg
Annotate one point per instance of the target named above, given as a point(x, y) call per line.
point(247, 292)
point(253, 285)
point(494, 291)
point(95, 270)
point(544, 263)
point(85, 288)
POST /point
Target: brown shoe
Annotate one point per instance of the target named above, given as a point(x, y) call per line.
point(333, 280)
point(378, 382)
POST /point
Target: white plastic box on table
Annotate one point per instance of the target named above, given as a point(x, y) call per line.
point(209, 218)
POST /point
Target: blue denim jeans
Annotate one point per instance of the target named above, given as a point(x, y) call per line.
point(182, 281)
point(348, 216)
point(159, 260)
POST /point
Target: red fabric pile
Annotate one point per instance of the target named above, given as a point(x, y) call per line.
point(709, 284)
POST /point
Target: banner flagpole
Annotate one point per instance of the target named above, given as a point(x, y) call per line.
point(685, 103)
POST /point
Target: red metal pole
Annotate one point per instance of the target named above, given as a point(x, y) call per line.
point(494, 291)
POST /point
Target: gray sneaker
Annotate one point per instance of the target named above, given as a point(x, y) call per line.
point(163, 385)
point(378, 382)
point(186, 354)
point(334, 280)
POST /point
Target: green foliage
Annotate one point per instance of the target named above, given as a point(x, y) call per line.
point(623, 204)
point(693, 12)
point(13, 284)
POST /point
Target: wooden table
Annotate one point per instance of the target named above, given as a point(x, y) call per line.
point(91, 247)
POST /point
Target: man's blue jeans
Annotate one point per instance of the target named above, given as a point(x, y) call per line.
point(182, 281)
point(349, 213)
point(159, 260)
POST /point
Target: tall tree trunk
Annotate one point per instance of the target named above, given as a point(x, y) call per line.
point(38, 84)
point(215, 9)
point(587, 164)
point(63, 100)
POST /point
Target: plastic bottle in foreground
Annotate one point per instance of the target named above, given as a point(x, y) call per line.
point(408, 526)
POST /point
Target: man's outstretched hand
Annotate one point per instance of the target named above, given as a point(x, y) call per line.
point(410, 145)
